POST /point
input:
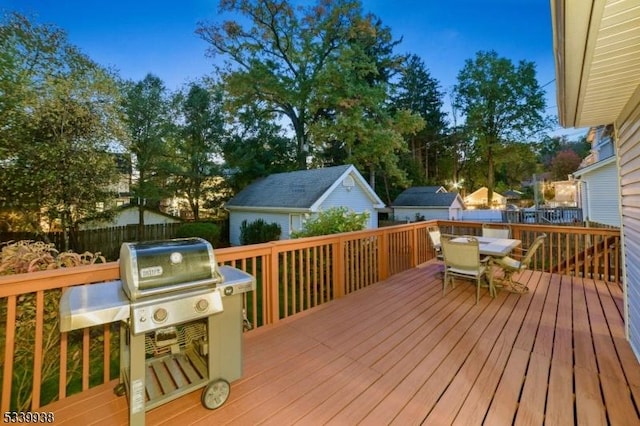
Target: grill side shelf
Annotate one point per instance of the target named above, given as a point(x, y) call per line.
point(93, 304)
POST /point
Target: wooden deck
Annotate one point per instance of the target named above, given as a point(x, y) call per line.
point(399, 352)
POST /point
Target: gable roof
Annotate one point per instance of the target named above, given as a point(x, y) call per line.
point(302, 189)
point(424, 196)
point(483, 191)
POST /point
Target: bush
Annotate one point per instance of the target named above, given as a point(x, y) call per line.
point(259, 232)
point(31, 256)
point(205, 230)
point(333, 221)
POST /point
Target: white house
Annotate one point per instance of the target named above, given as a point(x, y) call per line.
point(128, 215)
point(288, 199)
point(598, 83)
point(480, 199)
point(597, 178)
point(426, 203)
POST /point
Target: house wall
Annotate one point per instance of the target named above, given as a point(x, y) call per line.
point(628, 130)
point(479, 199)
point(356, 199)
point(400, 213)
point(130, 217)
point(237, 217)
point(600, 195)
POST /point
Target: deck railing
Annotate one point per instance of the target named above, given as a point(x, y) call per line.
point(39, 364)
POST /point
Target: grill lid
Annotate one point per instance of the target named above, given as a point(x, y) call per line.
point(157, 267)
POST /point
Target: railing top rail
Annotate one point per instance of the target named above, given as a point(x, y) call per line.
point(14, 285)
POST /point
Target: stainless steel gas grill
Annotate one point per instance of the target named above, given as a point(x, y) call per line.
point(182, 318)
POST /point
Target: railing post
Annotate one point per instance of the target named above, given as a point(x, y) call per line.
point(414, 246)
point(383, 256)
point(338, 269)
point(272, 294)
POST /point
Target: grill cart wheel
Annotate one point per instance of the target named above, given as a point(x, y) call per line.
point(215, 394)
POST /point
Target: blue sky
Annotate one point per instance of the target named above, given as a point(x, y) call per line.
point(139, 36)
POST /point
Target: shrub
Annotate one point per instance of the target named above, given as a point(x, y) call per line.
point(333, 221)
point(259, 231)
point(30, 256)
point(205, 230)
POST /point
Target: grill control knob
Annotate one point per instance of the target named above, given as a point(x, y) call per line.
point(202, 305)
point(160, 315)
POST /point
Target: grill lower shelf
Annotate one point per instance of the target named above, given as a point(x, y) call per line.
point(171, 376)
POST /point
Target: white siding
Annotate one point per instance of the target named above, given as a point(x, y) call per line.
point(236, 218)
point(629, 159)
point(482, 215)
point(356, 199)
point(400, 213)
point(600, 195)
point(129, 216)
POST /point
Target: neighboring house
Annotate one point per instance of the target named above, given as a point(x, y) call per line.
point(479, 200)
point(122, 188)
point(597, 55)
point(564, 194)
point(513, 196)
point(288, 199)
point(128, 215)
point(597, 179)
point(426, 203)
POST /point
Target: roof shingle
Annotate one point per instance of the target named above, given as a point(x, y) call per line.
point(299, 189)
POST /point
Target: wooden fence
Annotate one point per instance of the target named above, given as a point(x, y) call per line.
point(107, 241)
point(40, 364)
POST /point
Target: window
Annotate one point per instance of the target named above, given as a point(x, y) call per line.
point(295, 222)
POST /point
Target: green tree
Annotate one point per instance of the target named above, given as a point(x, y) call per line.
point(515, 162)
point(256, 147)
point(147, 116)
point(197, 142)
point(60, 113)
point(420, 93)
point(354, 104)
point(501, 103)
point(320, 66)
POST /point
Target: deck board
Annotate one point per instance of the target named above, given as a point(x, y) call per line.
point(399, 352)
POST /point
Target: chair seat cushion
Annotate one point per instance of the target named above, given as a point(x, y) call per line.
point(470, 272)
point(507, 262)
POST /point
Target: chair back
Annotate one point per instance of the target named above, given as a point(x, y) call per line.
point(434, 235)
point(526, 260)
point(496, 231)
point(461, 254)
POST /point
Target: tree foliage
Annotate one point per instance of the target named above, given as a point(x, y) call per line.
point(258, 232)
point(501, 103)
point(59, 112)
point(564, 163)
point(420, 93)
point(148, 120)
point(324, 67)
point(256, 147)
point(197, 141)
point(333, 220)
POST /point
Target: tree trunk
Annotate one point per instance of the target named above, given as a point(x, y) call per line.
point(298, 126)
point(490, 177)
point(372, 177)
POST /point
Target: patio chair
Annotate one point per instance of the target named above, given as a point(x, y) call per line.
point(511, 266)
point(462, 260)
point(434, 236)
point(494, 230)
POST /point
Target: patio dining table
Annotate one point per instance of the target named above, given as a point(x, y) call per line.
point(495, 247)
